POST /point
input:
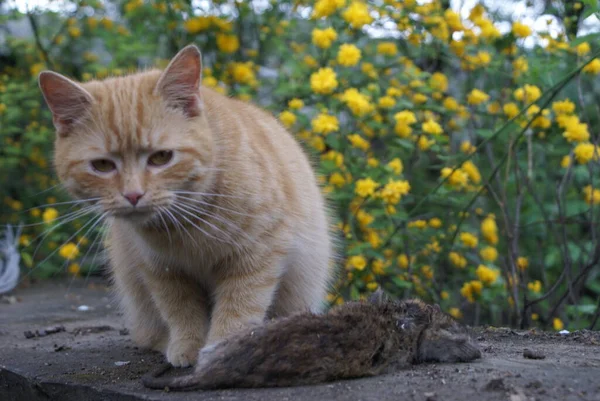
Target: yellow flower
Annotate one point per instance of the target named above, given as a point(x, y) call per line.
point(593, 67)
point(520, 66)
point(520, 30)
point(287, 118)
point(386, 102)
point(528, 93)
point(435, 222)
point(369, 70)
point(372, 162)
point(472, 171)
point(419, 98)
point(535, 286)
point(417, 224)
point(69, 251)
point(471, 290)
point(566, 161)
point(406, 117)
point(36, 68)
point(364, 218)
point(557, 324)
point(576, 132)
point(438, 82)
point(423, 143)
point(242, 73)
point(396, 166)
point(359, 142)
point(323, 38)
point(511, 110)
point(387, 48)
point(584, 152)
point(450, 104)
point(522, 263)
point(296, 104)
point(324, 8)
point(487, 275)
point(591, 197)
point(357, 102)
point(583, 48)
point(310, 61)
point(324, 81)
point(431, 127)
point(74, 269)
point(49, 215)
point(227, 43)
point(318, 144)
point(393, 191)
point(337, 180)
point(325, 123)
point(196, 24)
point(563, 106)
point(455, 313)
point(457, 178)
point(467, 147)
point(74, 32)
point(489, 254)
point(469, 240)
point(365, 187)
point(489, 229)
point(403, 261)
point(356, 263)
point(357, 14)
point(535, 316)
point(476, 97)
point(457, 260)
point(348, 55)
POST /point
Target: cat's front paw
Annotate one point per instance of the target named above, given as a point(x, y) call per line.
point(183, 353)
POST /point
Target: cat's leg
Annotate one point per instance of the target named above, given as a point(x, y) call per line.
point(306, 280)
point(183, 304)
point(244, 291)
point(146, 326)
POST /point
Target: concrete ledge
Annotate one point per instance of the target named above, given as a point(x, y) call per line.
point(77, 350)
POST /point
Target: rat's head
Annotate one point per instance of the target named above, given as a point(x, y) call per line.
point(132, 144)
point(441, 338)
point(445, 340)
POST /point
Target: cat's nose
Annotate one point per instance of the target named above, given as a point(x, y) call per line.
point(133, 197)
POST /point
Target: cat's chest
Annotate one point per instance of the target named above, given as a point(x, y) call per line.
point(195, 256)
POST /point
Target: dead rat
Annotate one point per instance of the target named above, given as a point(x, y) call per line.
point(354, 340)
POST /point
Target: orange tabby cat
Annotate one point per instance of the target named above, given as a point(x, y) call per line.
point(215, 216)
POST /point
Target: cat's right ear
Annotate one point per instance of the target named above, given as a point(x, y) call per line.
point(67, 100)
point(179, 84)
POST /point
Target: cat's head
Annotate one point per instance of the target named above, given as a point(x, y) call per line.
point(131, 144)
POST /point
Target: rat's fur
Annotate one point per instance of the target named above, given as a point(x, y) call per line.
point(354, 340)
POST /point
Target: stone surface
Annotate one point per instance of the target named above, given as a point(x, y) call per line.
point(94, 359)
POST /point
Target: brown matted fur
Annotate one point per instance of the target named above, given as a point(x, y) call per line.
point(353, 340)
point(215, 216)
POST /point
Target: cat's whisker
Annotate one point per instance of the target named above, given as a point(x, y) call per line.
point(102, 233)
point(181, 209)
point(207, 194)
point(82, 260)
point(185, 230)
point(90, 221)
point(220, 219)
point(59, 218)
point(48, 189)
point(225, 209)
point(214, 227)
point(164, 223)
point(48, 231)
point(73, 202)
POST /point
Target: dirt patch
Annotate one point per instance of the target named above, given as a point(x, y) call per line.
point(98, 361)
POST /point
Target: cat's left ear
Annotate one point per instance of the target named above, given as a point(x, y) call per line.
point(179, 84)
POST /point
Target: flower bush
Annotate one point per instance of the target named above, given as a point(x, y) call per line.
point(461, 164)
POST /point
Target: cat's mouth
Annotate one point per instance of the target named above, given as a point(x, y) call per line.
point(137, 214)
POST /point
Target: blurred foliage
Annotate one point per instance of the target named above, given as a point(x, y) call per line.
point(461, 164)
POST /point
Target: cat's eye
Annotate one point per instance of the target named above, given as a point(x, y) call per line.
point(160, 158)
point(104, 165)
